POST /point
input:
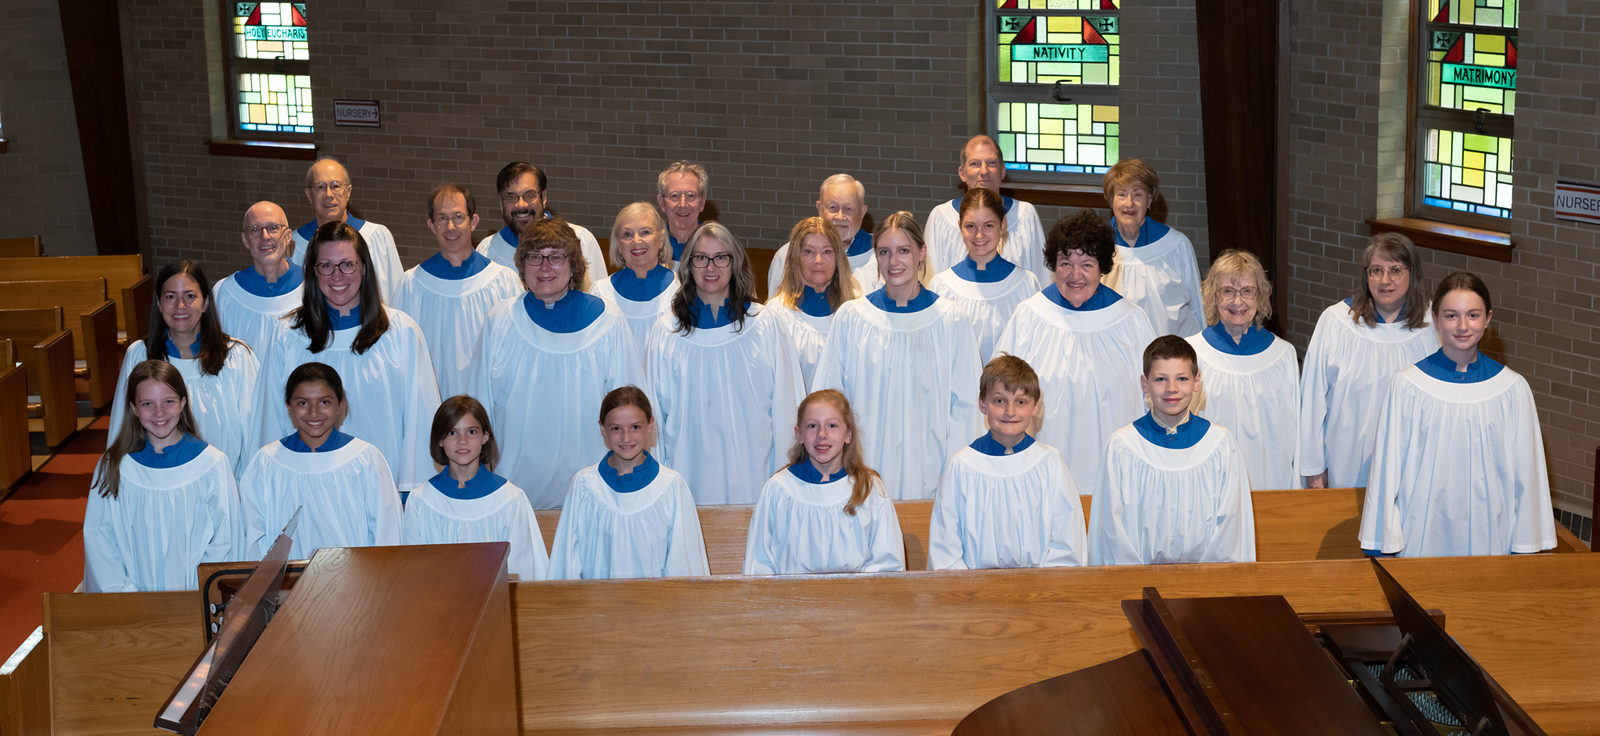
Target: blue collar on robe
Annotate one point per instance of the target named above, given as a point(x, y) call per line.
point(481, 484)
point(996, 271)
point(988, 445)
point(572, 312)
point(1149, 232)
point(1104, 296)
point(252, 281)
point(1005, 202)
point(180, 452)
point(1482, 368)
point(677, 247)
point(807, 472)
point(629, 286)
point(861, 243)
point(309, 229)
point(334, 441)
point(703, 319)
point(1181, 437)
point(1253, 342)
point(1376, 315)
point(338, 321)
point(172, 348)
point(438, 267)
point(509, 235)
point(814, 303)
point(642, 474)
point(924, 299)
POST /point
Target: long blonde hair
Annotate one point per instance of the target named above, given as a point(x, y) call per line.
point(855, 465)
point(130, 436)
point(843, 286)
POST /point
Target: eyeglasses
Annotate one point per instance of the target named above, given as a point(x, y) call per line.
point(271, 229)
point(683, 197)
point(701, 260)
point(331, 187)
point(1377, 272)
point(456, 219)
point(1247, 293)
point(531, 197)
point(326, 268)
point(556, 260)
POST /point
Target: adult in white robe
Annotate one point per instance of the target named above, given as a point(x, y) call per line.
point(385, 255)
point(222, 404)
point(501, 247)
point(344, 489)
point(641, 301)
point(1089, 359)
point(250, 307)
point(173, 510)
point(1252, 387)
point(640, 525)
point(1158, 273)
point(488, 509)
point(1024, 242)
point(1179, 496)
point(328, 191)
point(984, 298)
point(858, 252)
point(997, 510)
point(799, 526)
point(1459, 466)
point(911, 374)
point(451, 304)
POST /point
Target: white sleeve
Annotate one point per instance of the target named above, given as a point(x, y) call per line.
point(527, 557)
point(103, 568)
point(965, 369)
point(757, 555)
point(1067, 544)
point(686, 549)
point(226, 533)
point(1311, 456)
point(888, 544)
point(383, 513)
point(1234, 539)
point(788, 390)
point(775, 271)
point(564, 563)
point(1380, 510)
point(944, 527)
point(1535, 528)
point(422, 401)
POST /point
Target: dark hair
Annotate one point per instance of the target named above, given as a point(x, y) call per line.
point(214, 343)
point(513, 171)
point(553, 232)
point(741, 283)
point(1462, 281)
point(1082, 233)
point(1395, 247)
point(452, 411)
point(311, 372)
point(443, 189)
point(129, 437)
point(621, 396)
point(312, 315)
point(1169, 347)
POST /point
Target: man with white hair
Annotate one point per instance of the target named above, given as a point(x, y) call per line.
point(328, 190)
point(682, 190)
point(982, 166)
point(842, 202)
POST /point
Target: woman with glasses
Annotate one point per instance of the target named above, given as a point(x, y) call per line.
point(1252, 378)
point(1357, 347)
point(221, 372)
point(251, 300)
point(379, 351)
point(726, 380)
point(643, 284)
point(546, 361)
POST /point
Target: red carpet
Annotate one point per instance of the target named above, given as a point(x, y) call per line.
point(41, 534)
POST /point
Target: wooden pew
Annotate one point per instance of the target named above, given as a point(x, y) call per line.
point(125, 278)
point(45, 349)
point(16, 457)
point(89, 314)
point(30, 246)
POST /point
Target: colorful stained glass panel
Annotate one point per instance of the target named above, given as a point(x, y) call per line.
point(1071, 49)
point(270, 31)
point(279, 103)
point(1058, 4)
point(1482, 13)
point(1467, 172)
point(1070, 139)
point(1472, 71)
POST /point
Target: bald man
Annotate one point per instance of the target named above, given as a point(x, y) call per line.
point(250, 301)
point(842, 201)
point(328, 190)
point(982, 166)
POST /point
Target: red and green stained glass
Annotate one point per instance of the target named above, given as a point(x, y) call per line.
point(276, 101)
point(1057, 4)
point(1467, 172)
point(1482, 13)
point(279, 103)
point(1472, 71)
point(270, 31)
point(1071, 49)
point(1072, 139)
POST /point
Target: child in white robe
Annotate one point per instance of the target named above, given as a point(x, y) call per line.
point(1173, 487)
point(1459, 467)
point(342, 482)
point(984, 288)
point(628, 516)
point(1007, 500)
point(1156, 268)
point(815, 282)
point(642, 284)
point(162, 501)
point(467, 502)
point(826, 511)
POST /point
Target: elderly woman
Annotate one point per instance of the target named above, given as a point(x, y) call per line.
point(1357, 347)
point(379, 351)
point(546, 361)
point(1155, 266)
point(643, 284)
point(1252, 378)
point(816, 281)
point(1086, 343)
point(726, 380)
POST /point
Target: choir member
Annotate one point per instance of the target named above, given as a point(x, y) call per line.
point(816, 280)
point(250, 301)
point(1155, 266)
point(524, 194)
point(985, 287)
point(328, 189)
point(682, 191)
point(842, 202)
point(643, 283)
point(982, 166)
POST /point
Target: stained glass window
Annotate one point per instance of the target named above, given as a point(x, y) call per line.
point(1053, 75)
point(1465, 106)
point(269, 69)
point(1467, 172)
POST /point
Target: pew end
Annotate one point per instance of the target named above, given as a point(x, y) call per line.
point(16, 456)
point(44, 348)
point(28, 246)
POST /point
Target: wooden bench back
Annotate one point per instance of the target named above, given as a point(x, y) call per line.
point(16, 456)
point(75, 297)
point(126, 282)
point(44, 348)
point(30, 246)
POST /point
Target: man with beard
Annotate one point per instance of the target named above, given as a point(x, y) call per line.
point(522, 202)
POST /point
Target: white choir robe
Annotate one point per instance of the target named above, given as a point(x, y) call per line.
point(652, 532)
point(380, 245)
point(1342, 384)
point(1459, 470)
point(1089, 365)
point(163, 522)
point(451, 314)
point(501, 247)
point(348, 496)
point(857, 262)
point(251, 318)
point(1163, 279)
point(987, 307)
point(1024, 244)
point(912, 382)
point(543, 391)
point(222, 405)
point(805, 333)
point(1019, 510)
point(389, 389)
point(641, 316)
point(801, 527)
point(1257, 397)
point(504, 515)
point(727, 399)
point(1154, 505)
point(867, 277)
